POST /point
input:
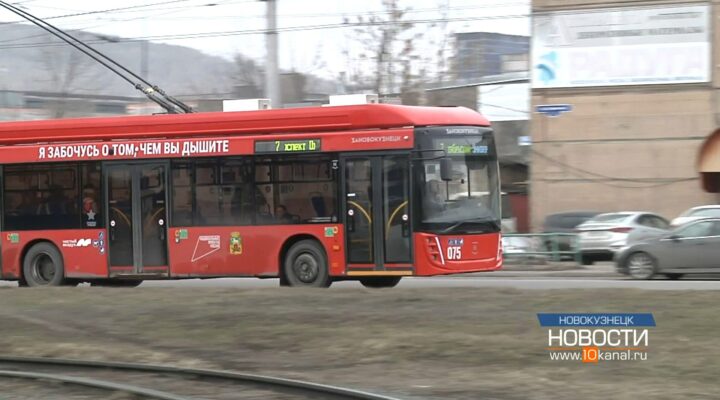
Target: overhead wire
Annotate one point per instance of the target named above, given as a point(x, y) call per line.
point(138, 8)
point(362, 14)
point(216, 34)
point(648, 182)
point(153, 92)
point(86, 27)
point(117, 10)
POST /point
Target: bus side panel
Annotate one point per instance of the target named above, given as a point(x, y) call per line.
point(456, 253)
point(245, 250)
point(84, 251)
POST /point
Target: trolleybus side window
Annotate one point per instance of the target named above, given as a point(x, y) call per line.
point(49, 196)
point(237, 191)
point(233, 191)
point(182, 194)
point(212, 193)
point(208, 195)
point(90, 209)
point(305, 191)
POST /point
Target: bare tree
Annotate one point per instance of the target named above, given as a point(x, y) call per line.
point(249, 77)
point(399, 57)
point(442, 41)
point(65, 69)
point(383, 38)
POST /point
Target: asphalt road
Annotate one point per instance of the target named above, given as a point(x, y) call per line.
point(476, 282)
point(536, 283)
point(596, 277)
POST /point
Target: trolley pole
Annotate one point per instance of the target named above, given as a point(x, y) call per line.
point(272, 78)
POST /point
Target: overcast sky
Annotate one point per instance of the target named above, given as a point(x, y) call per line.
point(224, 23)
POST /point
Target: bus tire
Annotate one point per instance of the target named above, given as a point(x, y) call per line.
point(43, 266)
point(305, 265)
point(379, 282)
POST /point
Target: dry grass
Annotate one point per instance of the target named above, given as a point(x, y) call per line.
point(440, 343)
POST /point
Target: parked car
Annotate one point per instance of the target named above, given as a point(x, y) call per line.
point(690, 248)
point(509, 221)
point(517, 245)
point(605, 234)
point(564, 222)
point(695, 213)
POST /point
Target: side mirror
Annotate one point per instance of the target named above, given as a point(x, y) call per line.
point(446, 169)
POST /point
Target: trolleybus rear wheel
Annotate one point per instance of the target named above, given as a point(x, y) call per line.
point(43, 266)
point(378, 282)
point(306, 265)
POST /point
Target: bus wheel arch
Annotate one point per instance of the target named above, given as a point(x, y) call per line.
point(42, 264)
point(304, 252)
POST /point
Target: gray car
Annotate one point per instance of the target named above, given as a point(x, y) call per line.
point(564, 223)
point(603, 235)
point(690, 248)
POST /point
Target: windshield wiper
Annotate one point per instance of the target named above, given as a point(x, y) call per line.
point(458, 224)
point(153, 92)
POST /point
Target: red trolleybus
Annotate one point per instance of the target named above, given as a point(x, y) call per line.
point(311, 195)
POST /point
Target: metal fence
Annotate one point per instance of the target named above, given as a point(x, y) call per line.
point(545, 246)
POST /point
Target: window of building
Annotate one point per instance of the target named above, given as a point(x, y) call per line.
point(34, 103)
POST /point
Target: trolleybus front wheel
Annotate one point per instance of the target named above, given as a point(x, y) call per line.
point(306, 265)
point(43, 266)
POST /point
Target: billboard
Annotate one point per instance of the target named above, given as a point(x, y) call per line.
point(621, 46)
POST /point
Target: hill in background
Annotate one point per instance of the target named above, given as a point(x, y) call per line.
point(28, 63)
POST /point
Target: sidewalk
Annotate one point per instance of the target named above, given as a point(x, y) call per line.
point(540, 265)
point(553, 269)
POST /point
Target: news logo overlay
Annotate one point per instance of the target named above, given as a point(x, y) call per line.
point(591, 338)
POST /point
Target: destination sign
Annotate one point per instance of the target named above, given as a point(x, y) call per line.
point(463, 146)
point(287, 146)
point(466, 149)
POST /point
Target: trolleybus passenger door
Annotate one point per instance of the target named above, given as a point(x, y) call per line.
point(120, 216)
point(377, 212)
point(137, 221)
point(359, 212)
point(153, 216)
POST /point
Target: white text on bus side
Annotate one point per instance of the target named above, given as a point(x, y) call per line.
point(185, 149)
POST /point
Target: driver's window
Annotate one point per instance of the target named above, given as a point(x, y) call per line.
point(699, 229)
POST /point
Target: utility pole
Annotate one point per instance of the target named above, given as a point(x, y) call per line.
point(272, 78)
point(144, 67)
